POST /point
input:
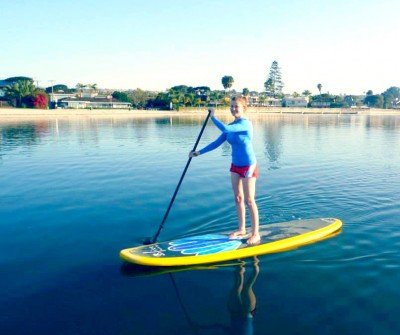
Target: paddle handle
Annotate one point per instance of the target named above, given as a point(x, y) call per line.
point(154, 240)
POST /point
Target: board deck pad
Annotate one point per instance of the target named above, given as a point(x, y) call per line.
point(210, 248)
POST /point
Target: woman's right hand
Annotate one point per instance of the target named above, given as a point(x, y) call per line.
point(194, 154)
point(211, 111)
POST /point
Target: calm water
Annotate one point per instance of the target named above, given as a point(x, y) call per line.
point(73, 193)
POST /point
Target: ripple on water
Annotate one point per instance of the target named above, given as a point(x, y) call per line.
point(74, 192)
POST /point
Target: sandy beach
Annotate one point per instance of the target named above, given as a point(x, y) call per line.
point(6, 114)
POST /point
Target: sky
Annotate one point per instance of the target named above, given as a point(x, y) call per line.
point(348, 46)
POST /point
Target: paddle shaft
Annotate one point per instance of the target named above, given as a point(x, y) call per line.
point(154, 240)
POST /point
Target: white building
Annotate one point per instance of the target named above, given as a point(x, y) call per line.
point(295, 101)
point(321, 104)
point(273, 102)
point(93, 103)
point(55, 97)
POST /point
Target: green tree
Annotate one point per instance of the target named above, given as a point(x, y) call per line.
point(161, 101)
point(339, 102)
point(181, 89)
point(375, 101)
point(198, 102)
point(227, 82)
point(391, 95)
point(323, 98)
point(274, 85)
point(121, 96)
point(20, 90)
point(202, 91)
point(246, 92)
point(57, 88)
point(14, 79)
point(306, 93)
point(179, 95)
point(350, 100)
point(216, 97)
point(140, 97)
point(295, 94)
point(191, 98)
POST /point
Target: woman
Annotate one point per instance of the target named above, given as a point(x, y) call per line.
point(244, 170)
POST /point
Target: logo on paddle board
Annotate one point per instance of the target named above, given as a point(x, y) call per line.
point(155, 251)
point(204, 245)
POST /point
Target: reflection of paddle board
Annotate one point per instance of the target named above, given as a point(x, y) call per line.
point(211, 248)
point(136, 270)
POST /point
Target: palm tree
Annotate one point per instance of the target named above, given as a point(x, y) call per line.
point(93, 87)
point(19, 90)
point(79, 88)
point(227, 82)
point(319, 86)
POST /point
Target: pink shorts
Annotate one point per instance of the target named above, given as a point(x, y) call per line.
point(245, 171)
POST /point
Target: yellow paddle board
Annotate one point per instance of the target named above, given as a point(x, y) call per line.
point(212, 248)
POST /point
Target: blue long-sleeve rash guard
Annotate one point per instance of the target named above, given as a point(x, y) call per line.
point(238, 134)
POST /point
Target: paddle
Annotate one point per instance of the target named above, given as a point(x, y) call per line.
point(155, 237)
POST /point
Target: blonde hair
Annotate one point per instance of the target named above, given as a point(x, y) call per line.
point(242, 100)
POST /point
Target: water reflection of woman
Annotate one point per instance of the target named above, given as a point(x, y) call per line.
point(242, 300)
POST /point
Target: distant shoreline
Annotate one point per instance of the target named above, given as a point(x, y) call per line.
point(14, 113)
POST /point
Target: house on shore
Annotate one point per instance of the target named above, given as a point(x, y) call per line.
point(295, 102)
point(92, 103)
point(321, 104)
point(54, 98)
point(86, 98)
point(272, 102)
point(255, 99)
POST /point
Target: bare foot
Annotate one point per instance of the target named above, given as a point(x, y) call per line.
point(254, 239)
point(238, 233)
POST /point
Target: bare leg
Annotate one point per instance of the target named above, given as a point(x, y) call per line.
point(237, 187)
point(249, 298)
point(235, 297)
point(249, 189)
